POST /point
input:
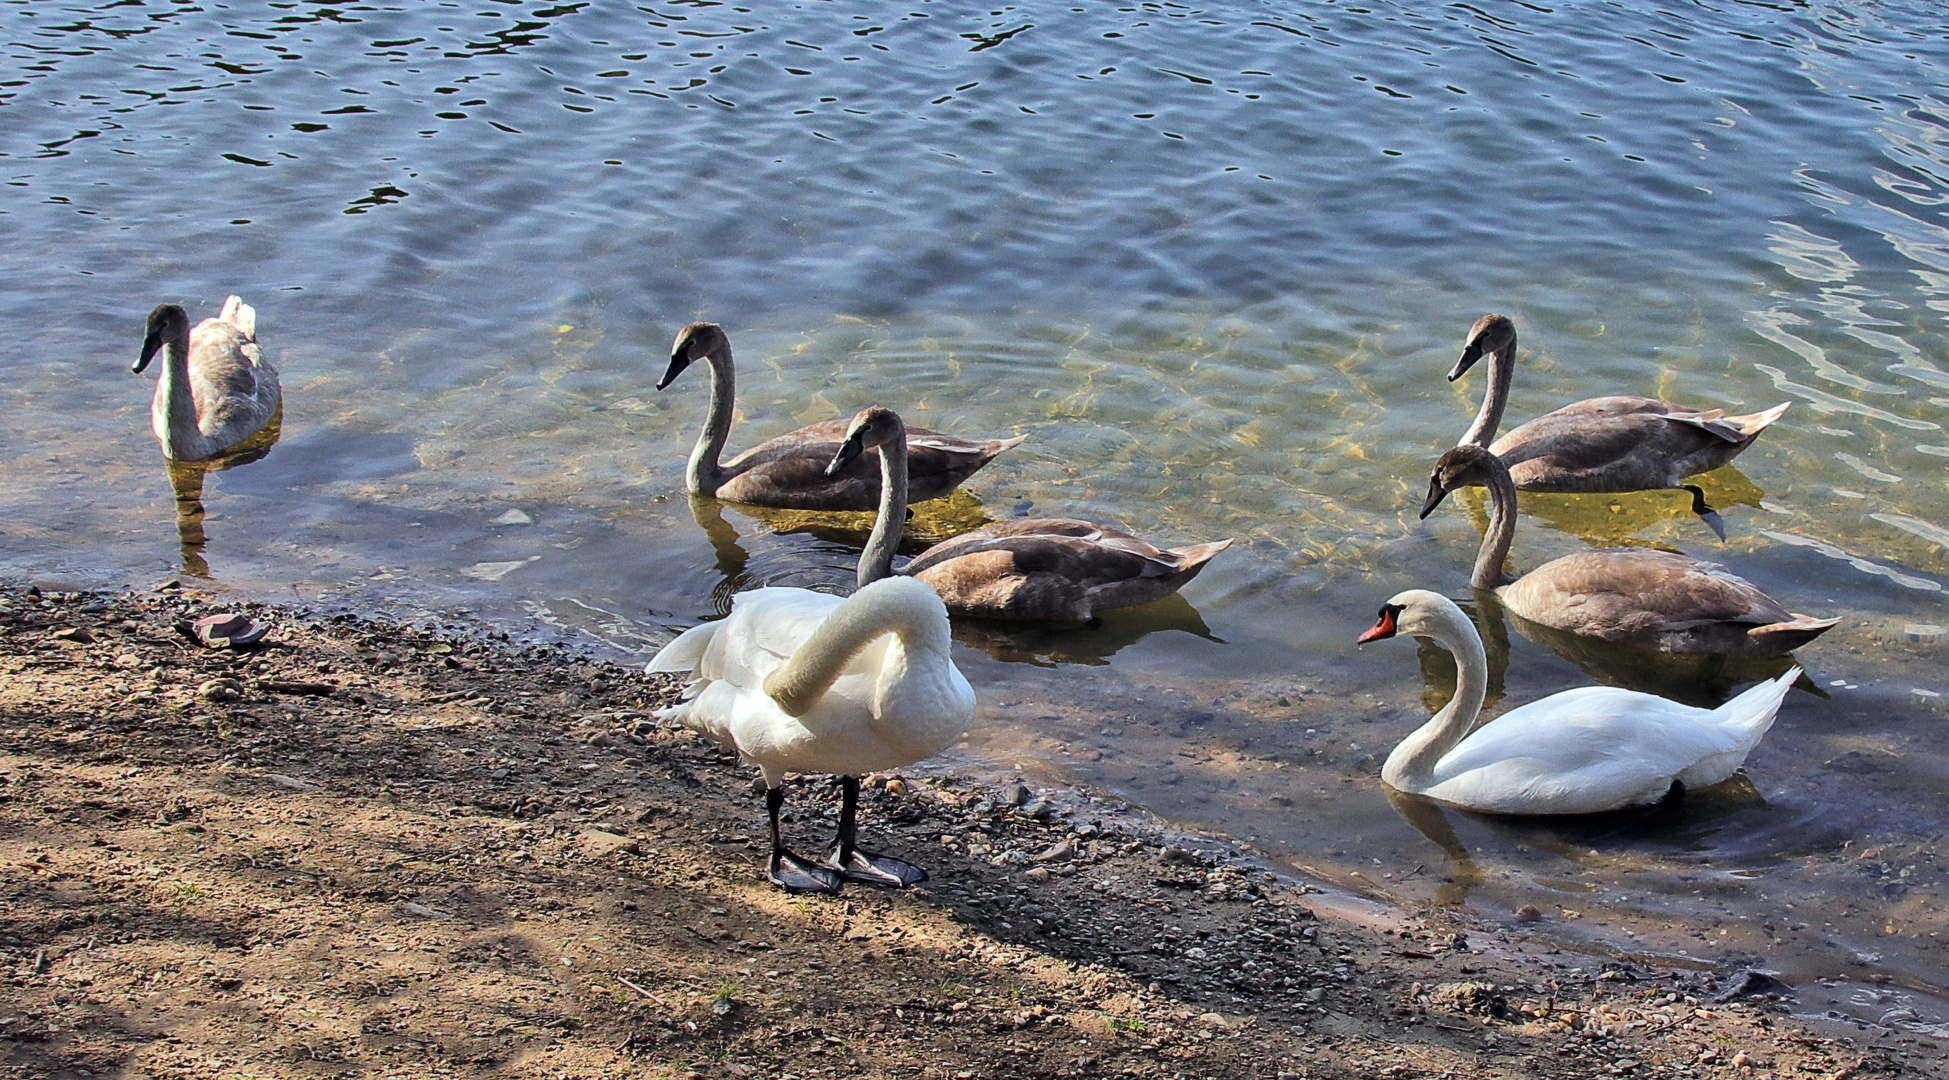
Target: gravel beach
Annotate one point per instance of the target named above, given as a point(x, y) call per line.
point(364, 849)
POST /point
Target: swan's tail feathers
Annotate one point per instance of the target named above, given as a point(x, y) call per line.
point(1006, 444)
point(1733, 429)
point(240, 315)
point(1753, 711)
point(687, 651)
point(1195, 556)
point(1753, 423)
point(1784, 637)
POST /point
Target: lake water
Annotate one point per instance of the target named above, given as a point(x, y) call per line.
point(1214, 260)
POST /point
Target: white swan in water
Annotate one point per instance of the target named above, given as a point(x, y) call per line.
point(1581, 751)
point(803, 681)
point(215, 388)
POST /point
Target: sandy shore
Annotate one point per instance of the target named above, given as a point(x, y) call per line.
point(364, 850)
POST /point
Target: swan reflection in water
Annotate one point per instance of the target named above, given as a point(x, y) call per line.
point(186, 480)
point(1093, 643)
point(1615, 519)
point(939, 519)
point(1685, 825)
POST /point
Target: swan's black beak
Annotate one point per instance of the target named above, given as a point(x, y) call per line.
point(151, 345)
point(1470, 354)
point(1436, 493)
point(848, 450)
point(1383, 627)
point(679, 360)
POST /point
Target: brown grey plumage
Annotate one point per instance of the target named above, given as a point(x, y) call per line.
point(1622, 443)
point(1632, 596)
point(215, 389)
point(789, 472)
point(1041, 569)
point(1054, 569)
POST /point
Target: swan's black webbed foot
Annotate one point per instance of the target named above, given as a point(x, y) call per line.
point(788, 871)
point(1674, 796)
point(873, 868)
point(1706, 513)
point(796, 875)
point(855, 864)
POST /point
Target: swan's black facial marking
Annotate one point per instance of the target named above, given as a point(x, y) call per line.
point(853, 447)
point(680, 359)
point(694, 342)
point(1436, 493)
point(1491, 333)
point(163, 322)
point(1385, 626)
point(875, 426)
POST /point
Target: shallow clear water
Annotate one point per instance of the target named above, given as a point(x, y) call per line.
point(1213, 260)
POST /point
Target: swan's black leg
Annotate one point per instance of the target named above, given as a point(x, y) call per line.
point(1673, 797)
point(786, 870)
point(1706, 513)
point(855, 864)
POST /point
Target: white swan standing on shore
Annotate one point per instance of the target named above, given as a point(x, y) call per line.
point(1582, 751)
point(215, 389)
point(803, 681)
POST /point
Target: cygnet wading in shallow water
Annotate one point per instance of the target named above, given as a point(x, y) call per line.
point(791, 471)
point(215, 389)
point(1621, 443)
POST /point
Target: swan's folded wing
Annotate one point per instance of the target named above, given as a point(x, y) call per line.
point(684, 653)
point(1599, 727)
point(930, 453)
point(1567, 446)
point(1733, 429)
point(219, 365)
point(1076, 551)
point(1595, 747)
point(1630, 585)
point(764, 628)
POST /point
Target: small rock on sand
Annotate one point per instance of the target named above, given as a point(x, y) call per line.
point(600, 842)
point(291, 783)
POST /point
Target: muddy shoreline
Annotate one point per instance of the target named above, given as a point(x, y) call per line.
point(365, 849)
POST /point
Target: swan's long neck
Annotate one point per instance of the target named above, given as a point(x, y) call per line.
point(876, 561)
point(173, 413)
point(1502, 529)
point(901, 606)
point(705, 475)
point(1410, 767)
point(1502, 369)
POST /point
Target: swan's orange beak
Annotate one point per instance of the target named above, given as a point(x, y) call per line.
point(1383, 627)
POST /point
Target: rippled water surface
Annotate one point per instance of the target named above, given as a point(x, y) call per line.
point(1214, 260)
